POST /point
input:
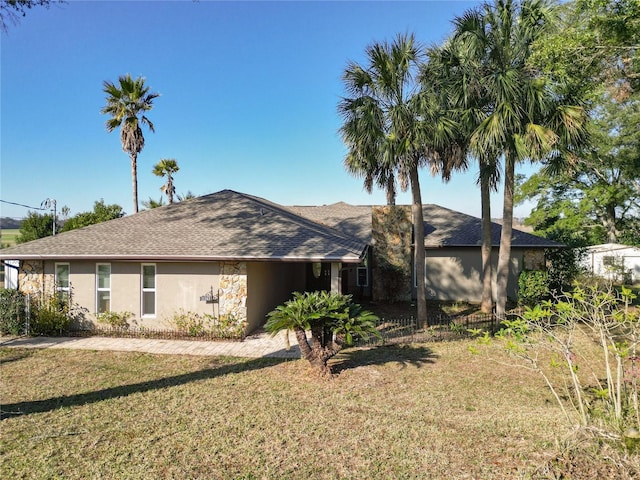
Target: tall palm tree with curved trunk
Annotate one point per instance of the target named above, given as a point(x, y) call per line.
point(392, 129)
point(126, 104)
point(167, 167)
point(527, 117)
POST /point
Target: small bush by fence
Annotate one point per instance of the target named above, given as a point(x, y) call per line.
point(57, 315)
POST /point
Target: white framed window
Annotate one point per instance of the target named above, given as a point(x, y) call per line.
point(61, 279)
point(148, 276)
point(103, 287)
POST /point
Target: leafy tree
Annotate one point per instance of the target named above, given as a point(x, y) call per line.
point(151, 203)
point(595, 45)
point(333, 319)
point(166, 168)
point(595, 200)
point(392, 129)
point(527, 115)
point(101, 213)
point(631, 232)
point(595, 51)
point(12, 10)
point(35, 226)
point(126, 105)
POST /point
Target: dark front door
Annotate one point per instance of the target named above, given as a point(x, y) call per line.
point(318, 276)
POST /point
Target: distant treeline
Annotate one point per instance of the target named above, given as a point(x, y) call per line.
point(8, 223)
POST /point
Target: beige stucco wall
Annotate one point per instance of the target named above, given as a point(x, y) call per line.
point(454, 273)
point(269, 285)
point(178, 286)
point(82, 277)
point(248, 290)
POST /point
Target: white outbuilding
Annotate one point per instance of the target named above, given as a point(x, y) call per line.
point(613, 261)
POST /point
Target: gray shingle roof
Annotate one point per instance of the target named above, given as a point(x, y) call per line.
point(448, 228)
point(222, 226)
point(234, 226)
point(354, 220)
point(443, 227)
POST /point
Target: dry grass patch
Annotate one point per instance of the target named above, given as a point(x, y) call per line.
point(426, 411)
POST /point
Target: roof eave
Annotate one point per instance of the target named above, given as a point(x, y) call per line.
point(189, 258)
point(466, 245)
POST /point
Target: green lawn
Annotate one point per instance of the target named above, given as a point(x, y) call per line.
point(427, 411)
point(9, 237)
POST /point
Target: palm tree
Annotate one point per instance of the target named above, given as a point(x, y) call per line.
point(152, 203)
point(186, 196)
point(392, 129)
point(458, 71)
point(126, 105)
point(527, 117)
point(332, 318)
point(167, 167)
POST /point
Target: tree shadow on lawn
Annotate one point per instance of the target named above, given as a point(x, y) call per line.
point(405, 355)
point(79, 399)
point(14, 355)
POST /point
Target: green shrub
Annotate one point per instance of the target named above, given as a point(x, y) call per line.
point(115, 319)
point(13, 313)
point(197, 324)
point(555, 338)
point(51, 316)
point(533, 287)
point(228, 326)
point(564, 267)
point(191, 323)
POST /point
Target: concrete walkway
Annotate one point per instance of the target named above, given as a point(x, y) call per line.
point(254, 346)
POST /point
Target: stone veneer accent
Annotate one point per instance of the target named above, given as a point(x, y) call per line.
point(32, 279)
point(392, 253)
point(233, 289)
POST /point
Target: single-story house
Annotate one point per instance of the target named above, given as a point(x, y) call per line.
point(230, 253)
point(452, 250)
point(613, 261)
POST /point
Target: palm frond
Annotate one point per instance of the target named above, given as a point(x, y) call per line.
point(126, 103)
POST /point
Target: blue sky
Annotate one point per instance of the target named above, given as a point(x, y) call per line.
point(249, 94)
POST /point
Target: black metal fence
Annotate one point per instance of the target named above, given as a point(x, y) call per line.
point(439, 328)
point(154, 333)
